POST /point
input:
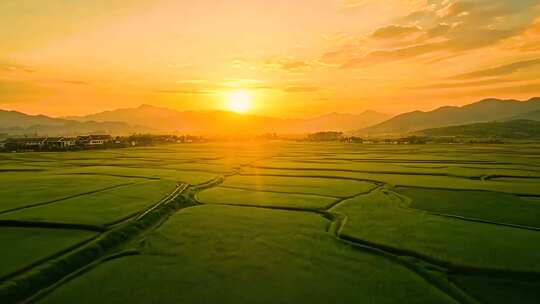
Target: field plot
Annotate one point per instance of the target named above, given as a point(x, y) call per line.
point(242, 197)
point(316, 186)
point(212, 256)
point(102, 208)
point(285, 192)
point(30, 245)
point(285, 222)
point(20, 190)
point(378, 218)
point(482, 205)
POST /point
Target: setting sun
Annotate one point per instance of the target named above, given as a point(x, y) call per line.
point(239, 101)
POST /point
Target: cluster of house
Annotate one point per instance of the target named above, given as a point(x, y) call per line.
point(411, 140)
point(55, 143)
point(338, 136)
point(89, 142)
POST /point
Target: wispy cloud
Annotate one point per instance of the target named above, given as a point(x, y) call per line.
point(72, 82)
point(393, 31)
point(191, 81)
point(500, 70)
point(402, 4)
point(287, 65)
point(244, 83)
point(527, 41)
point(17, 68)
point(385, 56)
point(464, 84)
point(186, 92)
point(13, 69)
point(301, 89)
point(207, 87)
point(526, 89)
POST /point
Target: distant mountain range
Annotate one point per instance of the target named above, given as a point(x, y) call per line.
point(17, 123)
point(152, 119)
point(483, 111)
point(14, 119)
point(222, 122)
point(516, 129)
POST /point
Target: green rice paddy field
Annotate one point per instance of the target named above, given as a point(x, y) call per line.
point(276, 222)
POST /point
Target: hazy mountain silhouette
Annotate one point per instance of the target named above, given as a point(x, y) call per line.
point(341, 122)
point(14, 119)
point(17, 123)
point(482, 111)
point(152, 119)
point(222, 122)
point(517, 129)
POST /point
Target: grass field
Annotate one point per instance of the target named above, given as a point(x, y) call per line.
point(101, 208)
point(275, 222)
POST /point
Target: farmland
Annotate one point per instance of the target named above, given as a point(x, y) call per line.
point(271, 222)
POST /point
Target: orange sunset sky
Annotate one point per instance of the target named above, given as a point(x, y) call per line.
point(295, 58)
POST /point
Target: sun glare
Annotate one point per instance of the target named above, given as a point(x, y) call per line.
point(239, 101)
